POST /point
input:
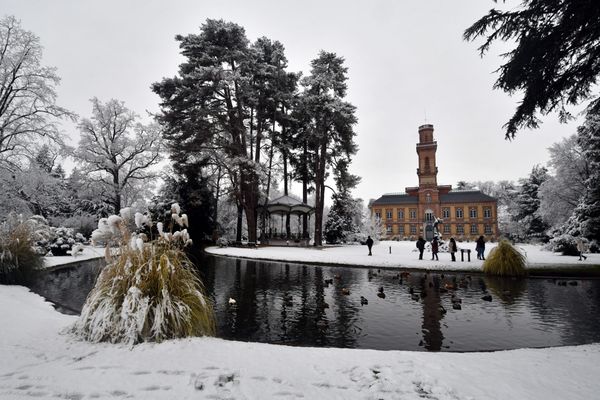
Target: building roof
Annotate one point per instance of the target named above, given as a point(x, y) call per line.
point(465, 196)
point(287, 204)
point(454, 196)
point(395, 198)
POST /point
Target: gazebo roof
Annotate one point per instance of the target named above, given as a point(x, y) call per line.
point(287, 204)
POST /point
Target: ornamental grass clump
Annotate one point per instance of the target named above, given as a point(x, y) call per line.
point(148, 291)
point(18, 258)
point(505, 260)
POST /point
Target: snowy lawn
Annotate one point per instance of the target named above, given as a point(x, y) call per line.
point(37, 359)
point(401, 255)
point(88, 253)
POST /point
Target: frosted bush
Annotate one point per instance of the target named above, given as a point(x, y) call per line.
point(149, 292)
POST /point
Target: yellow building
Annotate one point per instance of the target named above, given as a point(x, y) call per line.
point(462, 214)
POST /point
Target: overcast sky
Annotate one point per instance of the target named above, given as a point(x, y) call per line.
point(408, 65)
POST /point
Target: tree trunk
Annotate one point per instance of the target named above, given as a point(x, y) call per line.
point(305, 190)
point(288, 230)
point(117, 196)
point(320, 192)
point(240, 214)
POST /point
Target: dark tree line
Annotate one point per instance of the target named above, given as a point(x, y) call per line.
point(234, 108)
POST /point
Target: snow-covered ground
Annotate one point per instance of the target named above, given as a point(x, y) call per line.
point(38, 359)
point(400, 255)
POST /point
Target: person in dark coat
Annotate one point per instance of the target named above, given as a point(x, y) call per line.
point(452, 248)
point(369, 244)
point(421, 246)
point(480, 247)
point(434, 249)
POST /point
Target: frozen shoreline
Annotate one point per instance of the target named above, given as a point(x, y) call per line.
point(40, 359)
point(392, 254)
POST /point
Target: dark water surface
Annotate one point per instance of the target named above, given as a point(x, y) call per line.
point(292, 304)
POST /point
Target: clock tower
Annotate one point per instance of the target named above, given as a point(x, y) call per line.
point(428, 192)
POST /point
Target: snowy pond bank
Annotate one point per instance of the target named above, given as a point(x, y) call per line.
point(403, 254)
point(39, 359)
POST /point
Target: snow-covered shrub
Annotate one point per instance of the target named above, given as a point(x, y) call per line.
point(565, 244)
point(222, 242)
point(84, 224)
point(505, 260)
point(63, 240)
point(18, 258)
point(148, 292)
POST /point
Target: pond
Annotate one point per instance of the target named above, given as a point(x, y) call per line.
point(306, 305)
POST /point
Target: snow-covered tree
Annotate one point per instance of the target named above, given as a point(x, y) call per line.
point(29, 114)
point(586, 215)
point(525, 210)
point(562, 191)
point(330, 121)
point(116, 150)
point(343, 220)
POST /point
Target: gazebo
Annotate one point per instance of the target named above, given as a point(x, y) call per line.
point(282, 206)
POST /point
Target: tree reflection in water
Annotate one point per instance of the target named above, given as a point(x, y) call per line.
point(295, 304)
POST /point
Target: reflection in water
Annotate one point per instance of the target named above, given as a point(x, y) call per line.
point(321, 306)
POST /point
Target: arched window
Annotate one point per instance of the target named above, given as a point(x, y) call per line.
point(429, 215)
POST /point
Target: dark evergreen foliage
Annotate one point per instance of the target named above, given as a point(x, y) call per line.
point(556, 61)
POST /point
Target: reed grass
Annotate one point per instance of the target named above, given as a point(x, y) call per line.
point(147, 292)
point(18, 259)
point(505, 260)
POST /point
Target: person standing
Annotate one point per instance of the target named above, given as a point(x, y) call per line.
point(435, 246)
point(452, 248)
point(480, 247)
point(369, 244)
point(580, 247)
point(421, 246)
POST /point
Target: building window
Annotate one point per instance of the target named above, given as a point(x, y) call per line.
point(401, 230)
point(459, 213)
point(429, 216)
point(472, 212)
point(388, 214)
point(488, 229)
point(460, 229)
point(388, 229)
point(445, 213)
point(413, 229)
point(401, 214)
point(377, 214)
point(412, 213)
point(474, 229)
point(446, 228)
point(428, 198)
point(487, 212)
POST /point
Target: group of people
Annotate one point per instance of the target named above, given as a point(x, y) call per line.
point(452, 248)
point(435, 247)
